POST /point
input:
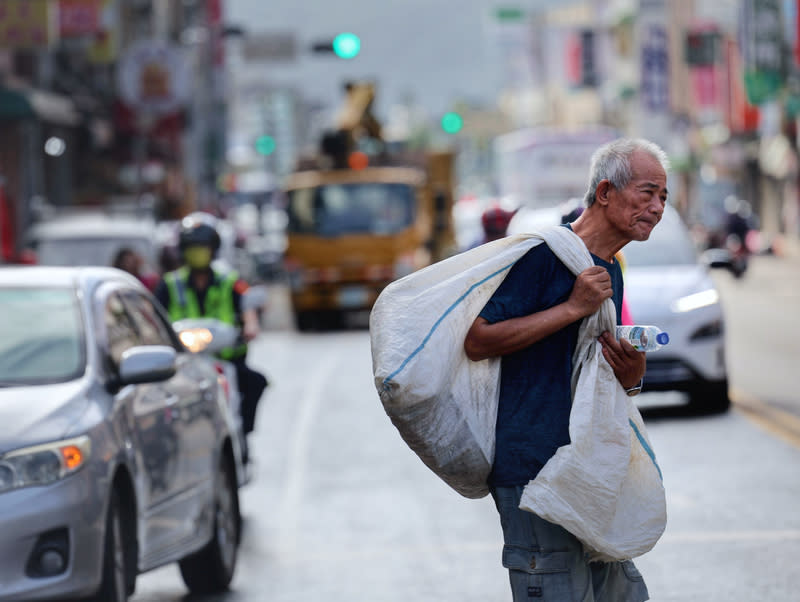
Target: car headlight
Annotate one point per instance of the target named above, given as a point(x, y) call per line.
point(695, 301)
point(43, 464)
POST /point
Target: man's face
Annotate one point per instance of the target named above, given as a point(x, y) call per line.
point(636, 209)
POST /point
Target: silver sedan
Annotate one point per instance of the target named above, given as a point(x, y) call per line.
point(117, 452)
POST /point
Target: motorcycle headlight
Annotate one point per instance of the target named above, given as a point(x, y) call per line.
point(43, 464)
point(695, 301)
point(195, 339)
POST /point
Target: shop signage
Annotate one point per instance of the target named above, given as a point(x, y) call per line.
point(153, 77)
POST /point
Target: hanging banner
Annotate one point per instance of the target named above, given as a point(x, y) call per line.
point(78, 17)
point(655, 69)
point(28, 23)
point(761, 39)
point(105, 46)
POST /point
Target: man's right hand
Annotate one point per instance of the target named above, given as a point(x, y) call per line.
point(592, 287)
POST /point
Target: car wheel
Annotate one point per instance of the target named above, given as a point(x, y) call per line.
point(113, 587)
point(211, 569)
point(710, 397)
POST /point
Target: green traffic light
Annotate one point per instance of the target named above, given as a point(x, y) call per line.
point(346, 45)
point(265, 145)
point(452, 123)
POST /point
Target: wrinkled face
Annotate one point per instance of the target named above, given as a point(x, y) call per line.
point(636, 209)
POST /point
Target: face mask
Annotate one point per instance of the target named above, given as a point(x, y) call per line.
point(197, 257)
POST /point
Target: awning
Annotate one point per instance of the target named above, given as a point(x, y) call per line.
point(19, 104)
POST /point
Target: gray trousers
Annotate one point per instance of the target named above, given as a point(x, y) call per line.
point(546, 563)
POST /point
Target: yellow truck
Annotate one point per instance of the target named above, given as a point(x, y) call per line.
point(352, 230)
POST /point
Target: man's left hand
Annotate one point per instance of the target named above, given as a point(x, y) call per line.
point(627, 363)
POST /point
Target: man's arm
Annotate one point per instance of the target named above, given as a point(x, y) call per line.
point(251, 324)
point(592, 287)
point(484, 340)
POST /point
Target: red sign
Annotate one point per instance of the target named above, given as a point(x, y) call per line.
point(705, 88)
point(79, 17)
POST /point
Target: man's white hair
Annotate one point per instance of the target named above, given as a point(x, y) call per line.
point(612, 162)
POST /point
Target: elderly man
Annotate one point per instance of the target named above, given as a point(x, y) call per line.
point(532, 322)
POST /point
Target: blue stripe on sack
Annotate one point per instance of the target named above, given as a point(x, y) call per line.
point(646, 447)
point(439, 321)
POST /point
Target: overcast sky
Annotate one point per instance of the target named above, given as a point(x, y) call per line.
point(436, 50)
point(440, 51)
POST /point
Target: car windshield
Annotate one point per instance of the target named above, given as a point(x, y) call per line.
point(42, 338)
point(359, 208)
point(87, 250)
point(670, 243)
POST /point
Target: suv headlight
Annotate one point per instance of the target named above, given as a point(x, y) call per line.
point(43, 464)
point(696, 301)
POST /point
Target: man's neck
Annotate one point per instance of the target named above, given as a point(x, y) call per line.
point(599, 238)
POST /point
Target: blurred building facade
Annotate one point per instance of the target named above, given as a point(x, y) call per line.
point(714, 82)
point(104, 101)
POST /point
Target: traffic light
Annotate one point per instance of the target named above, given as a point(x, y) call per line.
point(452, 122)
point(346, 46)
point(265, 145)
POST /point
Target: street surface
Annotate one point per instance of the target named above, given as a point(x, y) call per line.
point(340, 508)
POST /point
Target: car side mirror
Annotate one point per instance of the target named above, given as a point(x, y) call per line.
point(146, 364)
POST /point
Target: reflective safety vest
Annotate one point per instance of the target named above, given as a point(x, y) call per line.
point(218, 304)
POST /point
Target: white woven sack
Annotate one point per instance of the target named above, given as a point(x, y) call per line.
point(605, 486)
point(443, 404)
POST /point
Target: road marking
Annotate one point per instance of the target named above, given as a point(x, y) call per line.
point(297, 459)
point(778, 422)
point(731, 536)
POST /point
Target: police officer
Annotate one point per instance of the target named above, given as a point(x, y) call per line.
point(198, 290)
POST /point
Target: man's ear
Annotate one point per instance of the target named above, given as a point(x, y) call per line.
point(602, 192)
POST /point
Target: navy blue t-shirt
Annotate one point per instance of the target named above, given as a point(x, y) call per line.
point(535, 391)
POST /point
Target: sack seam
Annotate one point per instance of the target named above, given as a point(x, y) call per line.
point(439, 321)
point(646, 447)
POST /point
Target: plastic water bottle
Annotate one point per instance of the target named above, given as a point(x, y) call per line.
point(643, 338)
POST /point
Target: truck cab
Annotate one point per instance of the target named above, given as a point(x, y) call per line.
point(351, 232)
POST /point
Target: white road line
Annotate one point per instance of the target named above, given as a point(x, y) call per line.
point(297, 458)
point(731, 536)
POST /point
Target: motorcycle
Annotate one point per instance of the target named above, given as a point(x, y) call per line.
point(210, 336)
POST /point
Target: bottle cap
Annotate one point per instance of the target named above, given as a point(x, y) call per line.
point(662, 338)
